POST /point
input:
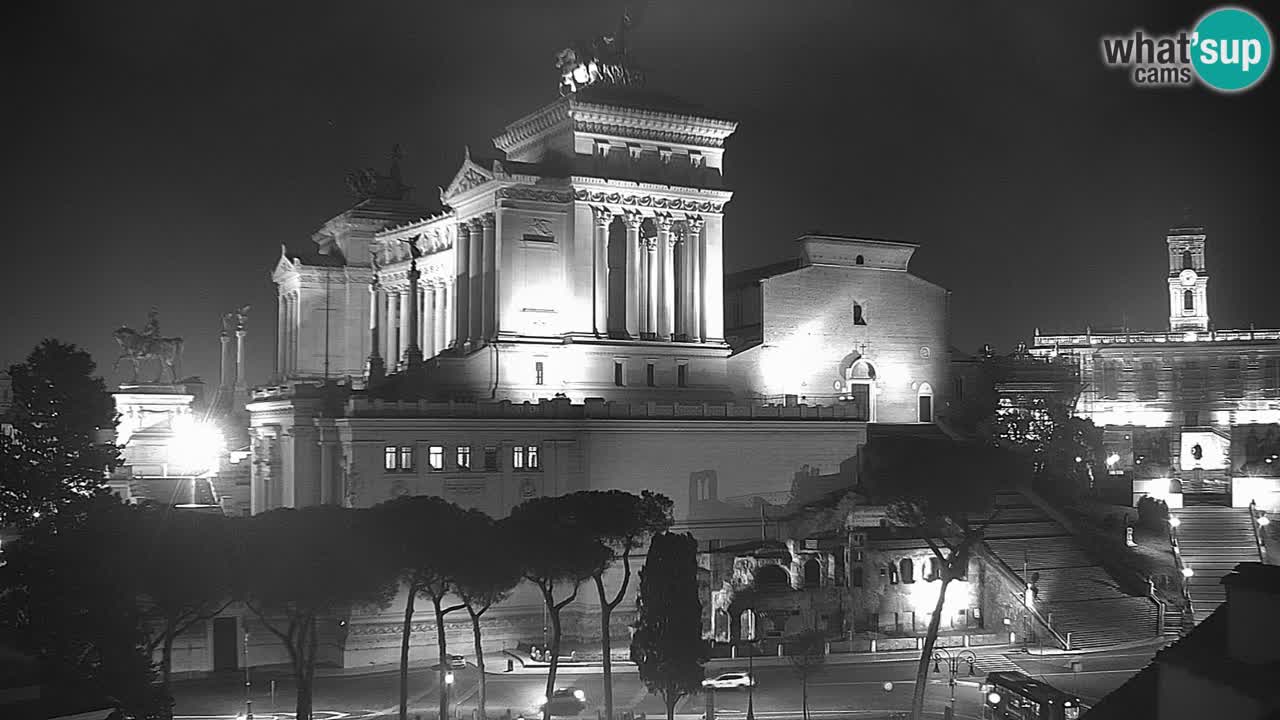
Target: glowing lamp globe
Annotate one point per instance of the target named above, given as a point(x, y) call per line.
point(888, 686)
point(1174, 521)
point(1187, 572)
point(993, 697)
point(195, 446)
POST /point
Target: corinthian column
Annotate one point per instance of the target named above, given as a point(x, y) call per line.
point(667, 284)
point(651, 287)
point(697, 308)
point(633, 221)
point(393, 327)
point(489, 320)
point(462, 286)
point(375, 370)
point(600, 269)
point(475, 276)
point(412, 351)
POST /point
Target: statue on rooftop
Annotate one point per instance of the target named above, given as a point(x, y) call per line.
point(235, 320)
point(368, 184)
point(149, 345)
point(603, 60)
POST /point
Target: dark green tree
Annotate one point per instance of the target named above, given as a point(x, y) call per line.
point(60, 449)
point(667, 646)
point(555, 549)
point(182, 563)
point(420, 535)
point(936, 487)
point(487, 578)
point(808, 653)
point(622, 522)
point(67, 599)
point(303, 566)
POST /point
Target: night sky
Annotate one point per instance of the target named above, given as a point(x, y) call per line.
point(158, 153)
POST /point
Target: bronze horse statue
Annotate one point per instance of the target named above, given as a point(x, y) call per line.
point(136, 347)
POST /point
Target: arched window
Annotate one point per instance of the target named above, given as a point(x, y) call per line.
point(862, 370)
point(1188, 300)
point(924, 403)
point(1187, 262)
point(858, 260)
point(812, 573)
point(935, 569)
point(907, 570)
point(772, 577)
point(857, 315)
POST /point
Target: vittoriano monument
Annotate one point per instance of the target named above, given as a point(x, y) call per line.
point(149, 345)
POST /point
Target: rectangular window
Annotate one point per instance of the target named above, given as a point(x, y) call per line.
point(464, 457)
point(618, 378)
point(1148, 385)
point(957, 388)
point(524, 457)
point(537, 373)
point(406, 458)
point(1191, 418)
point(517, 457)
point(1110, 380)
point(1232, 380)
point(490, 457)
point(435, 456)
point(682, 375)
point(531, 456)
point(649, 375)
point(389, 458)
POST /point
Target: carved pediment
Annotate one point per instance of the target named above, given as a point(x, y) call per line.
point(469, 176)
point(284, 266)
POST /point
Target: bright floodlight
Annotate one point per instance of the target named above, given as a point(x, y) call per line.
point(1174, 521)
point(195, 446)
point(1187, 571)
point(1112, 459)
point(448, 678)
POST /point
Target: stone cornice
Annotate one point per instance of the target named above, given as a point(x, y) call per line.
point(652, 125)
point(532, 126)
point(642, 200)
point(535, 194)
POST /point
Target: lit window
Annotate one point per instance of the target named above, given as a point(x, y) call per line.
point(490, 458)
point(389, 458)
point(406, 458)
point(464, 457)
point(617, 373)
point(435, 456)
point(682, 375)
point(537, 372)
point(524, 457)
point(649, 375)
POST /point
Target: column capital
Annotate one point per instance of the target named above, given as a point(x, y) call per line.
point(603, 216)
point(487, 220)
point(464, 227)
point(664, 222)
point(694, 223)
point(649, 243)
point(633, 218)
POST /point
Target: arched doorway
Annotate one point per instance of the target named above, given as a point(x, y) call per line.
point(860, 383)
point(813, 573)
point(924, 403)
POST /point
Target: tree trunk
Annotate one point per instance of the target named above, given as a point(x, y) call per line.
point(475, 633)
point(442, 645)
point(926, 652)
point(671, 706)
point(301, 662)
point(554, 612)
point(606, 646)
point(804, 695)
point(404, 652)
point(166, 660)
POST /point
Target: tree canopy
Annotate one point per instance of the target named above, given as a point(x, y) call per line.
point(63, 423)
point(667, 646)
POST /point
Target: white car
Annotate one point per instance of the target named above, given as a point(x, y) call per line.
point(729, 680)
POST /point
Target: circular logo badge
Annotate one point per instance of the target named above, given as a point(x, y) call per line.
point(1231, 49)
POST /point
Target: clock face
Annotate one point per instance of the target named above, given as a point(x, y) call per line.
point(1188, 277)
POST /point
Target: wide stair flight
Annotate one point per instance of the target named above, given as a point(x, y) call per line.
point(1213, 540)
point(1074, 592)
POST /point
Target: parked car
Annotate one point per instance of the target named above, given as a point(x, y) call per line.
point(565, 701)
point(729, 680)
point(457, 661)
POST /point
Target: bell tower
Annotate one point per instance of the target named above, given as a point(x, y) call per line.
point(1188, 279)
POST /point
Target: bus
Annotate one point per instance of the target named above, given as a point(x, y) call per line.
point(1015, 696)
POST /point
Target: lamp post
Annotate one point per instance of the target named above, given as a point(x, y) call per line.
point(448, 690)
point(942, 655)
point(248, 697)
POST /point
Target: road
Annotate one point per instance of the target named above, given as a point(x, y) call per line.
point(834, 689)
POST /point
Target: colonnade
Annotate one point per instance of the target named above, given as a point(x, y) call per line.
point(389, 313)
point(665, 294)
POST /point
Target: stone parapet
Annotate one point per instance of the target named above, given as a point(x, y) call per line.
point(599, 409)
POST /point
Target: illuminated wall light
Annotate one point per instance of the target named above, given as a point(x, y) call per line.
point(1174, 521)
point(1187, 572)
point(1264, 521)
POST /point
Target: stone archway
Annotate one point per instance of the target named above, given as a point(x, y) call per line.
point(772, 577)
point(812, 573)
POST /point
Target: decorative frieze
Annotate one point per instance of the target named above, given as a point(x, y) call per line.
point(524, 192)
point(649, 201)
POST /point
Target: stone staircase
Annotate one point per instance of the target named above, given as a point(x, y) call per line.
point(1074, 593)
point(1213, 540)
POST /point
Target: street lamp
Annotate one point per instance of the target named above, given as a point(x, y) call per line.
point(248, 697)
point(448, 691)
point(942, 655)
point(194, 449)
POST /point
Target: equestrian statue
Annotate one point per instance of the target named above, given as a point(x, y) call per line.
point(149, 345)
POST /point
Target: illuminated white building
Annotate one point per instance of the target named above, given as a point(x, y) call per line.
point(560, 326)
point(1192, 403)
